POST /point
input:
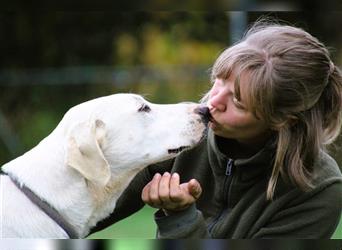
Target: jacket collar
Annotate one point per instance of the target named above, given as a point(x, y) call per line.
point(249, 167)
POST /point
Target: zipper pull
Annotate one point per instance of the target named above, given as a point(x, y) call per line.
point(229, 167)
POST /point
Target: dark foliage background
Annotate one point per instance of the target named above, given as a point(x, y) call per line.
point(51, 61)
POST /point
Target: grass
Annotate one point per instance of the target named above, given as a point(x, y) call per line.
point(141, 225)
point(338, 232)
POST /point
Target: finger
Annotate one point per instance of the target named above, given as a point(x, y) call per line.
point(154, 191)
point(195, 188)
point(164, 188)
point(145, 193)
point(175, 190)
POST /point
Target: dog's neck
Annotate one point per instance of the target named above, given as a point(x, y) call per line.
point(81, 203)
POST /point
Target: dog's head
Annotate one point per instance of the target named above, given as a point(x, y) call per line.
point(124, 132)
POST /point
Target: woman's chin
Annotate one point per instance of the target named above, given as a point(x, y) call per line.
point(218, 130)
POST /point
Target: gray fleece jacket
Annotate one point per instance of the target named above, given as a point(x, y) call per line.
point(233, 202)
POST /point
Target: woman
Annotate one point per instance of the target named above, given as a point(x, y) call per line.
point(263, 171)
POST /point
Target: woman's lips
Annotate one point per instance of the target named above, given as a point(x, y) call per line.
point(211, 116)
point(211, 112)
point(212, 122)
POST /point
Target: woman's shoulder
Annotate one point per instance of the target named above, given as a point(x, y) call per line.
point(326, 170)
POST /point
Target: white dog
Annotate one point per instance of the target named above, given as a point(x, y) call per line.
point(72, 179)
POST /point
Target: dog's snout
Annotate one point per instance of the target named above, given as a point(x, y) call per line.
point(204, 112)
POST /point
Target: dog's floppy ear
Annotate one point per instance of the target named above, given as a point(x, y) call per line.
point(84, 151)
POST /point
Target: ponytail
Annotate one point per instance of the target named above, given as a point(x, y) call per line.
point(331, 100)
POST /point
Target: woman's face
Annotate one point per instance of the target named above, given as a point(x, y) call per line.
point(231, 119)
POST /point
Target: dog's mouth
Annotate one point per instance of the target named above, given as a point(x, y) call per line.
point(177, 150)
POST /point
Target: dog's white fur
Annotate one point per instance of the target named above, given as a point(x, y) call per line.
point(84, 165)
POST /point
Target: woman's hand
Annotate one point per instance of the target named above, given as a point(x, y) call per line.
point(167, 193)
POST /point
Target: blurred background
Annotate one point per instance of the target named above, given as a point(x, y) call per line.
point(51, 61)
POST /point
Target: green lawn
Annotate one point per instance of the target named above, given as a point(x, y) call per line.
point(338, 232)
point(141, 226)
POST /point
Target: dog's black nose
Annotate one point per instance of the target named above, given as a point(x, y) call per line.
point(204, 112)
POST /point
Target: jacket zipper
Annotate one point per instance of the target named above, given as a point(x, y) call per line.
point(229, 167)
point(228, 173)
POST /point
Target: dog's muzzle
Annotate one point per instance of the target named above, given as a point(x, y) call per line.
point(205, 117)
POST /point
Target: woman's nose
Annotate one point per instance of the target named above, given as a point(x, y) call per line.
point(218, 102)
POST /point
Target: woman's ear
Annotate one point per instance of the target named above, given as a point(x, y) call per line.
point(84, 152)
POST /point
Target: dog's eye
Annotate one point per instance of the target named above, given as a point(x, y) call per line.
point(144, 108)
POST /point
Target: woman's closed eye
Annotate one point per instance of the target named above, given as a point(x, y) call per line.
point(238, 104)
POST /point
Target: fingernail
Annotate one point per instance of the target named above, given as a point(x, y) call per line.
point(175, 175)
point(156, 176)
point(166, 174)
